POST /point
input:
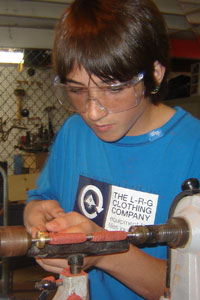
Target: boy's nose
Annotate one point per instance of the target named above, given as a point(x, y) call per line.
point(95, 109)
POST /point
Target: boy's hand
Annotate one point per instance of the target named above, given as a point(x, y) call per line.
point(47, 215)
point(69, 223)
point(38, 212)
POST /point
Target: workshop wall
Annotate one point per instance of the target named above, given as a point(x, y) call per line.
point(28, 113)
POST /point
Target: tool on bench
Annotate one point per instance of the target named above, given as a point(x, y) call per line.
point(49, 109)
point(19, 93)
point(181, 234)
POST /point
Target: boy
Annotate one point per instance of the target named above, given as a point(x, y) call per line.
point(122, 158)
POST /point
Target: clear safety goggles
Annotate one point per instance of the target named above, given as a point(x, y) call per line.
point(109, 98)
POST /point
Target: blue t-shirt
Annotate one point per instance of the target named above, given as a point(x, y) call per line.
point(118, 184)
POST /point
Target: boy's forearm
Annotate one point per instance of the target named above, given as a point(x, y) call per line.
point(139, 271)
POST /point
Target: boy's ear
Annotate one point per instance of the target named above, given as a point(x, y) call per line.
point(159, 72)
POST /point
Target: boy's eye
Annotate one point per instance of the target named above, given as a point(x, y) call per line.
point(75, 89)
point(114, 89)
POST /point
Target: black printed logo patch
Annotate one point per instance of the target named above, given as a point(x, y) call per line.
point(114, 207)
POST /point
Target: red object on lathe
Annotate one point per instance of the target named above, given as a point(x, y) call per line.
point(61, 238)
point(108, 236)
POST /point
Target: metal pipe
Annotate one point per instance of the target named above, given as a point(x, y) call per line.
point(5, 260)
point(5, 196)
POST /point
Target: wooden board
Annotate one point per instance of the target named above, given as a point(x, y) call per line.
point(19, 185)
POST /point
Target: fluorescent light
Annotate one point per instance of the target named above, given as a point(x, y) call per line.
point(12, 57)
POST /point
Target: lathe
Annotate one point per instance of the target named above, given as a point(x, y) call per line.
point(181, 234)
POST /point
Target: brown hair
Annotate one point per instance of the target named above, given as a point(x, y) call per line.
point(112, 39)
